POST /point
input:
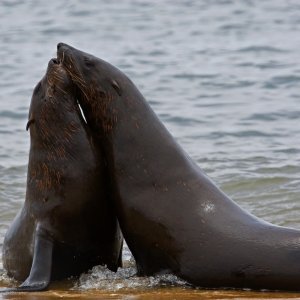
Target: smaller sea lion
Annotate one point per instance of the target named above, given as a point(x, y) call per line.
point(66, 225)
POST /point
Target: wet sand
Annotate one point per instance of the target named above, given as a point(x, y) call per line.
point(145, 295)
point(57, 291)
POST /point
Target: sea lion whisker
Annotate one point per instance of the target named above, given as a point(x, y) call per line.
point(63, 57)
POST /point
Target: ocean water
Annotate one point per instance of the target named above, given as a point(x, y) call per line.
point(223, 76)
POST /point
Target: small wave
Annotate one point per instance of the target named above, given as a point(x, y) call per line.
point(13, 115)
point(243, 134)
point(210, 96)
point(261, 117)
point(261, 49)
point(80, 13)
point(182, 120)
point(285, 169)
point(157, 53)
point(12, 3)
point(279, 81)
point(231, 27)
point(56, 31)
point(229, 85)
point(256, 184)
point(287, 151)
point(17, 170)
point(195, 76)
point(263, 66)
point(288, 115)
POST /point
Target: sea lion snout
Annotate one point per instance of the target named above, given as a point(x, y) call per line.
point(61, 49)
point(53, 64)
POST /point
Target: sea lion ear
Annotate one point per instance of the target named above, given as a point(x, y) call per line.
point(30, 121)
point(116, 86)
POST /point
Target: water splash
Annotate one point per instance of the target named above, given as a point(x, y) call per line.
point(124, 279)
point(5, 280)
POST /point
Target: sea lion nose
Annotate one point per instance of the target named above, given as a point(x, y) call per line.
point(53, 61)
point(60, 45)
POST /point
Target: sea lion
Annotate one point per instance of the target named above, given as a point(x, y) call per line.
point(67, 224)
point(173, 217)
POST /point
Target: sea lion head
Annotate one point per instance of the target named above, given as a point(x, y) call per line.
point(99, 83)
point(56, 127)
point(56, 89)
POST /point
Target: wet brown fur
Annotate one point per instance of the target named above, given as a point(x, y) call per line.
point(99, 98)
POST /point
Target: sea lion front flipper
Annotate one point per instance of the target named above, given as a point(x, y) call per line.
point(40, 273)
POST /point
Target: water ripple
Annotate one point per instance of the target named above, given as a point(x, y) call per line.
point(258, 49)
point(13, 114)
point(279, 81)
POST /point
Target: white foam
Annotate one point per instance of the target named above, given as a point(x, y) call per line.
point(125, 278)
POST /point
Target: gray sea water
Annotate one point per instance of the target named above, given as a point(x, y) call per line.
point(223, 76)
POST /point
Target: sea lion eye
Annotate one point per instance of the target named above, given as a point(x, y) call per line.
point(88, 62)
point(38, 86)
point(102, 94)
point(31, 121)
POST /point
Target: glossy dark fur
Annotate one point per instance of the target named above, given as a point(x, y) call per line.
point(66, 225)
point(172, 215)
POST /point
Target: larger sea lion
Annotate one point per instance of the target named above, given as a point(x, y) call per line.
point(67, 224)
point(172, 215)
